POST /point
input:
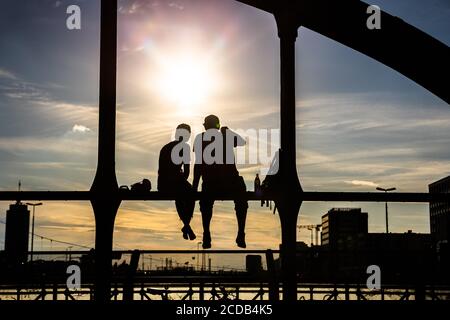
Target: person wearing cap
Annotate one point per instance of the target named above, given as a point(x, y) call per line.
point(173, 172)
point(215, 165)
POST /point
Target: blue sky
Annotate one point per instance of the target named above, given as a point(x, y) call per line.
point(360, 124)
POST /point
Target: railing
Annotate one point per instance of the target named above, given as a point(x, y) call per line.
point(211, 290)
point(252, 196)
point(159, 282)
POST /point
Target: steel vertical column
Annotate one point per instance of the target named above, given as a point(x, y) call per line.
point(105, 202)
point(288, 202)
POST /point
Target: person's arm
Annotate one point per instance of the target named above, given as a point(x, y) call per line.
point(238, 141)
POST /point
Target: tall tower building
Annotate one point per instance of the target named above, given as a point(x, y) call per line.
point(17, 232)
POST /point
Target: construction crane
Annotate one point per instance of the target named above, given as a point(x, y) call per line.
point(311, 227)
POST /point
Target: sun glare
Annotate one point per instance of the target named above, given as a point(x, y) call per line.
point(187, 83)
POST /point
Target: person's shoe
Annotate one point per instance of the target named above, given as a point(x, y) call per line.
point(206, 243)
point(191, 233)
point(240, 240)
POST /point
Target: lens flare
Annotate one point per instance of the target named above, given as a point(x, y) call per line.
point(186, 82)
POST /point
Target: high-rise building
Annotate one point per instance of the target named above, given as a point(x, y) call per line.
point(17, 232)
point(440, 213)
point(344, 227)
point(348, 249)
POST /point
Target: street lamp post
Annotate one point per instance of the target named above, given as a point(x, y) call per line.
point(198, 256)
point(34, 205)
point(386, 205)
point(69, 255)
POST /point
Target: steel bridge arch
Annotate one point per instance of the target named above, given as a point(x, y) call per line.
point(398, 45)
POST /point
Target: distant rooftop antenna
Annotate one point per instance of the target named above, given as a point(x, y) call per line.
point(19, 185)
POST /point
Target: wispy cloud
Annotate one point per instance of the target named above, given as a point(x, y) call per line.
point(362, 183)
point(14, 87)
point(6, 74)
point(80, 128)
point(176, 6)
point(131, 7)
point(358, 141)
point(52, 144)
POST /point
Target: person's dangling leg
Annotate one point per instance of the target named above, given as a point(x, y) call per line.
point(185, 207)
point(189, 206)
point(169, 186)
point(241, 207)
point(206, 208)
point(181, 210)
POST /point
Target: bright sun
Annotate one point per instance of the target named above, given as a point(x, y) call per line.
point(186, 83)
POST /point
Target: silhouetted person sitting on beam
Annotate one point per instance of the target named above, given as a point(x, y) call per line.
point(173, 172)
point(215, 164)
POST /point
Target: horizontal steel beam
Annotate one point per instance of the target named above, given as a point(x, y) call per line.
point(251, 196)
point(80, 252)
